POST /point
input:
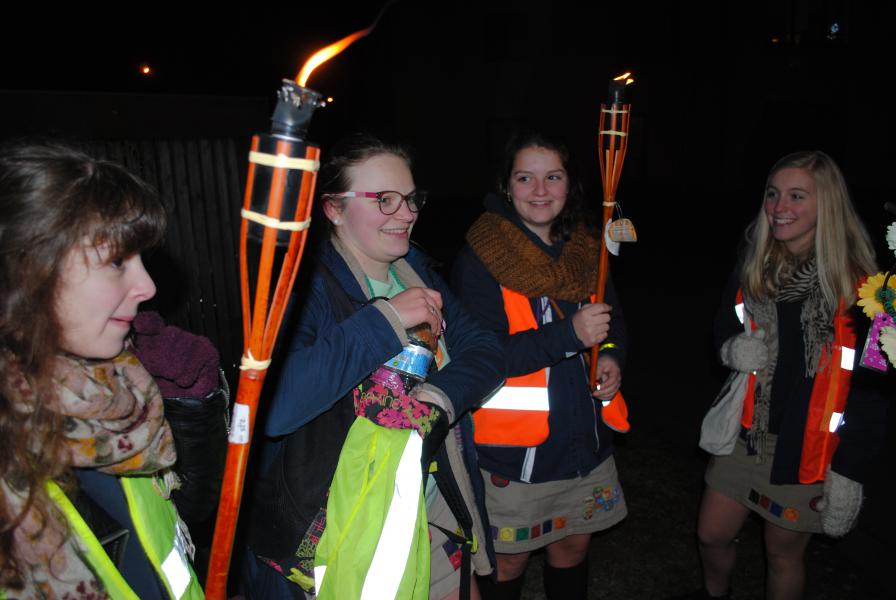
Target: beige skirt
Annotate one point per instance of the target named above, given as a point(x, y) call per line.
point(528, 516)
point(739, 477)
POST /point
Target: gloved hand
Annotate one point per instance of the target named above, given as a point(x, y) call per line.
point(745, 352)
point(183, 364)
point(840, 505)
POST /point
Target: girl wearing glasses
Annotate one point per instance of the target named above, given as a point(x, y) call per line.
point(368, 288)
point(527, 271)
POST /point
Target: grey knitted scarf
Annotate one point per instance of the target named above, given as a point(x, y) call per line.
point(800, 284)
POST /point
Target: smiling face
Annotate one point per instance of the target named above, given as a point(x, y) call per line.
point(97, 300)
point(376, 240)
point(792, 209)
point(538, 187)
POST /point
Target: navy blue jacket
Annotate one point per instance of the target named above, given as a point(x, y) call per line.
point(578, 441)
point(862, 433)
point(324, 359)
point(329, 350)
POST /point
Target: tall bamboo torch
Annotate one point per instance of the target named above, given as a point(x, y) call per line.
point(613, 140)
point(276, 213)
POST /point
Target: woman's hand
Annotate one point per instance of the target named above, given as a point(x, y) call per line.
point(418, 305)
point(591, 323)
point(609, 377)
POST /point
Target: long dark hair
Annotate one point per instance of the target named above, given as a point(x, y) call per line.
point(53, 199)
point(573, 211)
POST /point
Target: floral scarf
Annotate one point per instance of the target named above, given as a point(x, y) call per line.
point(113, 422)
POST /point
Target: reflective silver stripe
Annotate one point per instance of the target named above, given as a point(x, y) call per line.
point(528, 464)
point(739, 311)
point(176, 568)
point(394, 546)
point(847, 358)
point(836, 421)
point(519, 398)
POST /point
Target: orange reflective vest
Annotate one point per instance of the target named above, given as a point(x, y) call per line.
point(827, 402)
point(517, 414)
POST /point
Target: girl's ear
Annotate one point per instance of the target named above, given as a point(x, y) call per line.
point(333, 211)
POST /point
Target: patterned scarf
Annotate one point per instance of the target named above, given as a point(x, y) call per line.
point(113, 422)
point(799, 283)
point(520, 265)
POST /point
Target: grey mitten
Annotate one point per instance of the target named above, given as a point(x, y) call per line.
point(840, 505)
point(745, 352)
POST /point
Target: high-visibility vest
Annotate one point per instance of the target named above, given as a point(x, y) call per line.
point(827, 402)
point(517, 414)
point(156, 525)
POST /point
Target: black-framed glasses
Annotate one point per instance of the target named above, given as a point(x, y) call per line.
point(389, 201)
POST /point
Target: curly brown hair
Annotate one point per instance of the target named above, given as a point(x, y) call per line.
point(53, 198)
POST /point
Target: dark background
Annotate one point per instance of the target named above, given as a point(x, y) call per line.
point(722, 90)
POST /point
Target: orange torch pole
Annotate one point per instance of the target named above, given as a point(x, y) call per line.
point(613, 139)
point(276, 212)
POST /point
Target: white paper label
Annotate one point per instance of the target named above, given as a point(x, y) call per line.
point(239, 424)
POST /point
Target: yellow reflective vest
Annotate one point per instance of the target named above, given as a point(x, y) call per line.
point(156, 524)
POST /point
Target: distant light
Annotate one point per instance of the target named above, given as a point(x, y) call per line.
point(146, 70)
point(834, 31)
point(775, 40)
point(330, 99)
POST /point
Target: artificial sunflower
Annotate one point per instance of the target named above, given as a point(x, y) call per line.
point(874, 299)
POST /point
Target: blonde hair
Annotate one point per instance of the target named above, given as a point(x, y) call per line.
point(843, 250)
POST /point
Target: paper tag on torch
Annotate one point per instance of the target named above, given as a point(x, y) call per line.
point(239, 424)
point(612, 246)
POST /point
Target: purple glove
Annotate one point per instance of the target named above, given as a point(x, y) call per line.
point(182, 363)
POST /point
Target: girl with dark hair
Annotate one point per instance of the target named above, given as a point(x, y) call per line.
point(527, 273)
point(87, 449)
point(812, 420)
point(369, 292)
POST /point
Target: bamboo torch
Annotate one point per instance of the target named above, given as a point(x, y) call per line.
point(613, 139)
point(276, 213)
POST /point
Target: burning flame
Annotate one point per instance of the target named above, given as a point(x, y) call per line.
point(625, 77)
point(322, 56)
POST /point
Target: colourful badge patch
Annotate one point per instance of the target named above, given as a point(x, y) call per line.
point(522, 534)
point(775, 509)
point(601, 499)
point(498, 481)
point(453, 552)
point(507, 534)
point(813, 503)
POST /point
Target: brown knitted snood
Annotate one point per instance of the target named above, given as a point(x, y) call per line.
point(520, 265)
